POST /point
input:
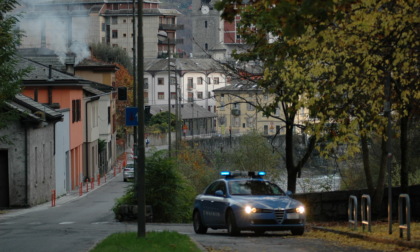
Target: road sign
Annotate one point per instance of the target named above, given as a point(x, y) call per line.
point(131, 118)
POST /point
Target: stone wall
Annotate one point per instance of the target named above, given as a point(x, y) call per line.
point(332, 206)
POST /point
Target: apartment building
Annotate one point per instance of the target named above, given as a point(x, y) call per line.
point(236, 112)
point(70, 26)
point(194, 79)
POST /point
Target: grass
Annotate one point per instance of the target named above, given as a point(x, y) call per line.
point(379, 233)
point(154, 241)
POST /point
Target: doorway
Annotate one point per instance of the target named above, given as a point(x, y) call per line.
point(4, 179)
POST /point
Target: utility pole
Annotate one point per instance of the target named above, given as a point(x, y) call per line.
point(141, 197)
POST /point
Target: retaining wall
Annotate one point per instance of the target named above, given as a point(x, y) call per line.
point(332, 206)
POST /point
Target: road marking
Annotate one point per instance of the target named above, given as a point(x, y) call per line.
point(101, 222)
point(66, 223)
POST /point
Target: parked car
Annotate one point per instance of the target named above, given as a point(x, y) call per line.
point(128, 171)
point(246, 201)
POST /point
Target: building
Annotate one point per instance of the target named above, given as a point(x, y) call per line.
point(195, 80)
point(27, 158)
point(70, 26)
point(237, 114)
point(213, 37)
point(60, 90)
point(100, 77)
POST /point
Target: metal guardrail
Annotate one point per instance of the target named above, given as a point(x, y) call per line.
point(407, 211)
point(366, 212)
point(352, 211)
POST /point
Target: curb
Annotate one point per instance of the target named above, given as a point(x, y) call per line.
point(407, 244)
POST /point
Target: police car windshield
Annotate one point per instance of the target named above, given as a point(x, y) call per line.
point(254, 187)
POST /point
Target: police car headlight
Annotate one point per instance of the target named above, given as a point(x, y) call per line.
point(249, 209)
point(300, 210)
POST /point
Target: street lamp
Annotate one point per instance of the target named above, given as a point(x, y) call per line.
point(163, 36)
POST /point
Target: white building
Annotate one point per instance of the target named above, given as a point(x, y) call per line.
point(195, 78)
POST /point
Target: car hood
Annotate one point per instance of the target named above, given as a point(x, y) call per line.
point(266, 202)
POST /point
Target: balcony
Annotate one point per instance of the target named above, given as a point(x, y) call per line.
point(171, 27)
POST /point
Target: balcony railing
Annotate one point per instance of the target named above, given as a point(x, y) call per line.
point(171, 27)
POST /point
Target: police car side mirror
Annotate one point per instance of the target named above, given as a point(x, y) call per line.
point(289, 193)
point(219, 193)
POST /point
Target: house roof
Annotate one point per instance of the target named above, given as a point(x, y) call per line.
point(188, 110)
point(183, 64)
point(31, 108)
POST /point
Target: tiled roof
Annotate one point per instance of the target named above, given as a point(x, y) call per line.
point(197, 65)
point(29, 106)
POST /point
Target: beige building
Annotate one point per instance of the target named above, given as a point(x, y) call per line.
point(236, 112)
point(71, 25)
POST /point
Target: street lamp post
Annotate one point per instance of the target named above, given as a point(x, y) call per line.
point(163, 36)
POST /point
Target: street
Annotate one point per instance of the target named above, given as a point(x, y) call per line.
point(78, 224)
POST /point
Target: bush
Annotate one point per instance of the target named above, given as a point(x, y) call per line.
point(168, 192)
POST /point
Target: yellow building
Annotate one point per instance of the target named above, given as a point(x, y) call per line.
point(237, 114)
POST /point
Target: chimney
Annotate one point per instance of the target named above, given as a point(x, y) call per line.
point(70, 60)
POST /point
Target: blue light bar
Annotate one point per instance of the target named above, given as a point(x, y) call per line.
point(261, 173)
point(225, 173)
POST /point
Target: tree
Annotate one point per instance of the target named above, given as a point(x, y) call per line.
point(10, 78)
point(378, 42)
point(123, 79)
point(111, 54)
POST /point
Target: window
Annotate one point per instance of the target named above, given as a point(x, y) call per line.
point(114, 20)
point(160, 81)
point(103, 27)
point(209, 94)
point(250, 106)
point(124, 21)
point(190, 83)
point(124, 35)
point(206, 46)
point(205, 24)
point(109, 115)
point(265, 129)
point(173, 95)
point(161, 95)
point(146, 83)
point(208, 80)
point(76, 111)
point(199, 95)
point(216, 80)
point(190, 97)
point(200, 80)
point(146, 97)
point(114, 33)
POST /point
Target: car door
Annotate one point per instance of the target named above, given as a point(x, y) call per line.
point(219, 204)
point(206, 202)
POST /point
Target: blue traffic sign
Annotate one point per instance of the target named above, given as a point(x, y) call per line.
point(131, 118)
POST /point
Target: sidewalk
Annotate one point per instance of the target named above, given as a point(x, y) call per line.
point(72, 195)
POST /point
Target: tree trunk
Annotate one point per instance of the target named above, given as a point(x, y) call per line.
point(404, 154)
point(380, 186)
point(366, 164)
point(290, 167)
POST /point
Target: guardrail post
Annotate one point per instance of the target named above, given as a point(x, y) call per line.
point(53, 198)
point(92, 183)
point(366, 212)
point(99, 179)
point(352, 211)
point(405, 225)
point(81, 189)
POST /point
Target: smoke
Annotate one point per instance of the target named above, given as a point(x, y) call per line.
point(56, 30)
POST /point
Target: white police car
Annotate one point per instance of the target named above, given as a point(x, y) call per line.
point(246, 201)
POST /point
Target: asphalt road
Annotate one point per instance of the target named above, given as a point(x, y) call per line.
point(78, 223)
